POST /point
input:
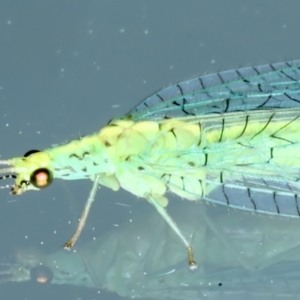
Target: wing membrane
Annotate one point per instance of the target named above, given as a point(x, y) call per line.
point(250, 88)
point(254, 163)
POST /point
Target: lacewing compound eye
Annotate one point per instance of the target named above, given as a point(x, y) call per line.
point(41, 178)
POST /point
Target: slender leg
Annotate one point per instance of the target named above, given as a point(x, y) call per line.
point(68, 245)
point(162, 211)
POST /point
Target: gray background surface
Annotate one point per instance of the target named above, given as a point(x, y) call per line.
point(67, 67)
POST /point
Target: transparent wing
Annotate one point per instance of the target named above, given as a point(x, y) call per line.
point(250, 88)
point(245, 190)
point(240, 177)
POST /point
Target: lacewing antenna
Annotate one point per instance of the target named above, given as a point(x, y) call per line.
point(5, 162)
point(7, 170)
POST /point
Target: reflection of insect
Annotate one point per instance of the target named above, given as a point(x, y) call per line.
point(146, 261)
point(230, 138)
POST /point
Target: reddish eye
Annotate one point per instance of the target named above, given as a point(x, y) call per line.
point(41, 178)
